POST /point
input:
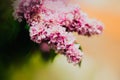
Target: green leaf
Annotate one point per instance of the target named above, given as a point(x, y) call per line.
point(80, 47)
point(79, 64)
point(48, 56)
point(27, 27)
point(53, 54)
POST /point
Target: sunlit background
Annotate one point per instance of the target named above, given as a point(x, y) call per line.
point(101, 53)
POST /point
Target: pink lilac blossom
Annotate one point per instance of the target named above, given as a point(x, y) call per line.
point(75, 20)
point(52, 21)
point(38, 33)
point(26, 8)
point(72, 53)
point(44, 47)
point(58, 39)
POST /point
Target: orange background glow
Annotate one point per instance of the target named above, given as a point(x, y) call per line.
point(104, 49)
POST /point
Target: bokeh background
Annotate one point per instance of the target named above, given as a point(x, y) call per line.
point(21, 60)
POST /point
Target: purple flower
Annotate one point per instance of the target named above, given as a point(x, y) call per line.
point(52, 21)
point(74, 20)
point(38, 33)
point(73, 53)
point(25, 9)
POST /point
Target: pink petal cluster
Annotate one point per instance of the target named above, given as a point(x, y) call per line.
point(58, 39)
point(75, 20)
point(52, 21)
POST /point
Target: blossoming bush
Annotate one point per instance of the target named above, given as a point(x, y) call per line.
point(53, 21)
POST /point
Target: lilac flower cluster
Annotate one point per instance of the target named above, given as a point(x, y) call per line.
point(58, 39)
point(52, 21)
point(74, 20)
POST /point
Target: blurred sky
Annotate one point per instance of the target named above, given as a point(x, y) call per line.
point(101, 53)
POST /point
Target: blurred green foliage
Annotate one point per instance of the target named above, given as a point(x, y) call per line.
point(16, 48)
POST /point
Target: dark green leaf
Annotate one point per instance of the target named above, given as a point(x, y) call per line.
point(27, 27)
point(80, 47)
point(53, 54)
point(79, 64)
